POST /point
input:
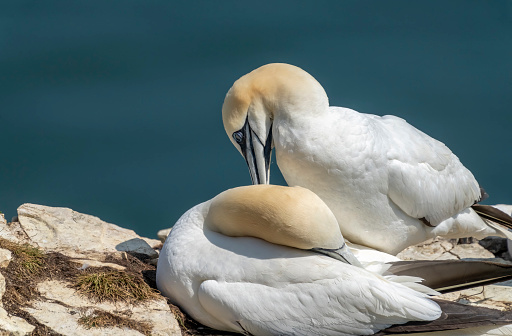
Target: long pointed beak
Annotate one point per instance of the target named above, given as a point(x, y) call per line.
point(343, 254)
point(257, 155)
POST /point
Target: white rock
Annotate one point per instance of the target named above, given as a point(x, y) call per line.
point(12, 324)
point(443, 249)
point(5, 257)
point(498, 296)
point(2, 288)
point(12, 232)
point(155, 312)
point(162, 234)
point(432, 249)
point(77, 235)
point(85, 263)
point(463, 251)
point(64, 320)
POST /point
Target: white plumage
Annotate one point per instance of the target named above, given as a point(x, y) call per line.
point(219, 265)
point(245, 284)
point(390, 184)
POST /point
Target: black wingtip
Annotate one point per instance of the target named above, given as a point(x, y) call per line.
point(454, 316)
point(451, 275)
point(493, 214)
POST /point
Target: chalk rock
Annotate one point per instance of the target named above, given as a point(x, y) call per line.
point(13, 325)
point(432, 249)
point(95, 263)
point(78, 235)
point(2, 288)
point(162, 234)
point(444, 249)
point(12, 231)
point(64, 320)
point(63, 307)
point(5, 257)
point(472, 251)
point(498, 296)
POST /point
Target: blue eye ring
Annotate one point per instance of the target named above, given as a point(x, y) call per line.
point(238, 136)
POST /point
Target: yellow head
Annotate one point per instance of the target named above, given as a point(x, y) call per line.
point(289, 216)
point(256, 99)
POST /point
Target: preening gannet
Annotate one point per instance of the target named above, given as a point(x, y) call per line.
point(390, 184)
point(249, 285)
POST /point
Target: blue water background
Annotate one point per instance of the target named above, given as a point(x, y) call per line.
point(113, 108)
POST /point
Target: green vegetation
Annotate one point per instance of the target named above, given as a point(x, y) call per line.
point(32, 265)
point(114, 286)
point(102, 319)
point(29, 260)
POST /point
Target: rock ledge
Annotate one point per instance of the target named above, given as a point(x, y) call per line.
point(59, 245)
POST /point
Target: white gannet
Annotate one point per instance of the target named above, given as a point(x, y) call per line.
point(390, 184)
point(221, 276)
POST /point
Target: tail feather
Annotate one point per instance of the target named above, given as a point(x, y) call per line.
point(451, 275)
point(456, 319)
point(490, 330)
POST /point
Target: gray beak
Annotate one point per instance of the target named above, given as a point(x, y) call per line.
point(257, 155)
point(343, 254)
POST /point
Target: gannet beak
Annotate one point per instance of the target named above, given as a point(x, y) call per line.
point(343, 254)
point(349, 257)
point(257, 154)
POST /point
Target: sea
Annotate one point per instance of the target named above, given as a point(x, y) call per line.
point(113, 108)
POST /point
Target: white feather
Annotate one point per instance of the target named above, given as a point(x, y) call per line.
point(381, 177)
point(246, 284)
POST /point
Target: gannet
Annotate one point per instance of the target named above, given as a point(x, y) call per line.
point(219, 266)
point(390, 184)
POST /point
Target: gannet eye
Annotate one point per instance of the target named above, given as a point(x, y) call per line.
point(239, 137)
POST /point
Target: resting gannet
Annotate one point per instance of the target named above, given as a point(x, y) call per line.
point(390, 184)
point(229, 264)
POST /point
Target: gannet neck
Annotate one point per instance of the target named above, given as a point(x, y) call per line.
point(271, 90)
point(289, 216)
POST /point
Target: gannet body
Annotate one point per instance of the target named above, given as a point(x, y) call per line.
point(390, 184)
point(251, 286)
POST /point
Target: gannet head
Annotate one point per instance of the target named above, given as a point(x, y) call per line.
point(289, 216)
point(254, 101)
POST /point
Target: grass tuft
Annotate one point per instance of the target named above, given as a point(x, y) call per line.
point(102, 319)
point(29, 260)
point(32, 259)
point(29, 266)
point(114, 286)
